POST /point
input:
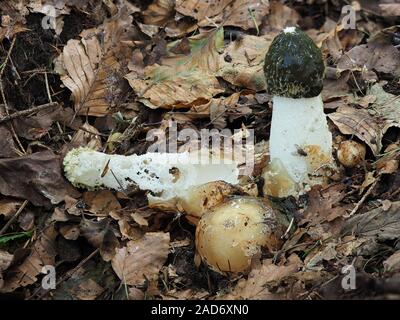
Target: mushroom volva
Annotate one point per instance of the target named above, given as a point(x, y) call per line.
point(229, 235)
point(300, 141)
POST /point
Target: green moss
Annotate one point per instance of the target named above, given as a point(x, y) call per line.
point(294, 66)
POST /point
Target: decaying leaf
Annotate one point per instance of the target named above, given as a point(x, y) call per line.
point(100, 235)
point(101, 203)
point(243, 61)
point(43, 253)
point(36, 177)
point(383, 225)
point(360, 123)
point(378, 54)
point(256, 286)
point(391, 264)
point(141, 259)
point(93, 67)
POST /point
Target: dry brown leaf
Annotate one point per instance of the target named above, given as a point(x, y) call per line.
point(43, 253)
point(360, 123)
point(324, 204)
point(390, 9)
point(141, 259)
point(100, 235)
point(8, 207)
point(8, 148)
point(378, 54)
point(12, 18)
point(242, 62)
point(87, 136)
point(70, 232)
point(391, 264)
point(36, 177)
point(383, 225)
point(280, 17)
point(88, 289)
point(167, 89)
point(314, 260)
point(101, 203)
point(5, 261)
point(245, 14)
point(159, 13)
point(201, 9)
point(256, 286)
point(93, 67)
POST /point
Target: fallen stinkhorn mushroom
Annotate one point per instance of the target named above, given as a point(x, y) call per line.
point(229, 235)
point(300, 141)
point(170, 177)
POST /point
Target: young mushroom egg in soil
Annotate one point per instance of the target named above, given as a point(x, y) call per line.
point(300, 141)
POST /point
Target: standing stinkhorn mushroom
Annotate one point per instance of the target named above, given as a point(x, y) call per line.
point(300, 141)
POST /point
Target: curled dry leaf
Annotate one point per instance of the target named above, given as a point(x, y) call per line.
point(263, 274)
point(36, 177)
point(43, 252)
point(101, 203)
point(360, 123)
point(280, 17)
point(182, 80)
point(100, 235)
point(8, 207)
point(378, 54)
point(378, 223)
point(93, 67)
point(141, 259)
point(159, 13)
point(5, 262)
point(391, 264)
point(12, 18)
point(8, 148)
point(242, 62)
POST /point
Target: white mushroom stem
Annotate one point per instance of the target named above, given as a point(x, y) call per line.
point(166, 175)
point(299, 127)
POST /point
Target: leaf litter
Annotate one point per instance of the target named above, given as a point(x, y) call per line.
point(126, 68)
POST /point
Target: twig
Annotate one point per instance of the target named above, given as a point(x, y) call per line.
point(366, 195)
point(26, 112)
point(66, 276)
point(15, 216)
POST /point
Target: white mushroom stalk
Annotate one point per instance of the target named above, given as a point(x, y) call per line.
point(300, 140)
point(166, 175)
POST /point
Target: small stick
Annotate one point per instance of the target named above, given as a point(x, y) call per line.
point(26, 112)
point(15, 216)
point(359, 204)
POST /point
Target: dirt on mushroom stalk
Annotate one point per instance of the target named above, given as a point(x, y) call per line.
point(114, 70)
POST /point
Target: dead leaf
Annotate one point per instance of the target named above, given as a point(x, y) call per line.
point(245, 14)
point(43, 253)
point(360, 123)
point(101, 203)
point(280, 17)
point(93, 67)
point(314, 260)
point(378, 54)
point(36, 177)
point(244, 68)
point(390, 9)
point(391, 264)
point(255, 287)
point(383, 225)
point(8, 207)
point(100, 235)
point(141, 259)
point(8, 148)
point(159, 13)
point(70, 231)
point(324, 204)
point(88, 289)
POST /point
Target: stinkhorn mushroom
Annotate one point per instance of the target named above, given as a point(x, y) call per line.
point(300, 141)
point(229, 235)
point(170, 177)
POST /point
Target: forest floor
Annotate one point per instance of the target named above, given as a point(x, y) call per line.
point(199, 64)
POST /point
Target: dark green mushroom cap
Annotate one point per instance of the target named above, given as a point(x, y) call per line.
point(294, 66)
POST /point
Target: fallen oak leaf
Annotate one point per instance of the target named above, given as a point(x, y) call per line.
point(36, 177)
point(43, 253)
point(93, 67)
point(141, 259)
